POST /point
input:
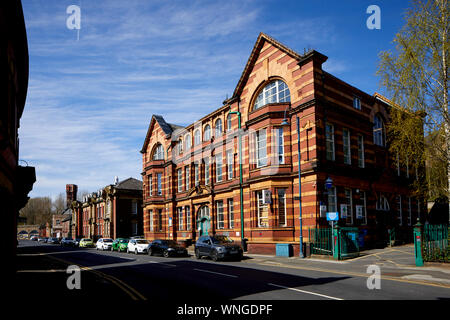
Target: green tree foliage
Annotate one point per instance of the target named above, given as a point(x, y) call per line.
point(416, 78)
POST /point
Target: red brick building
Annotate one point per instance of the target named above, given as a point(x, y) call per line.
point(113, 211)
point(16, 181)
point(192, 177)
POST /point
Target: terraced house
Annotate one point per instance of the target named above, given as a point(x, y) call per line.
point(236, 170)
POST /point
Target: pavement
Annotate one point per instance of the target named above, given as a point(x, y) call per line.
point(394, 262)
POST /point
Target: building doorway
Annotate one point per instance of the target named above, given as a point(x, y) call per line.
point(203, 221)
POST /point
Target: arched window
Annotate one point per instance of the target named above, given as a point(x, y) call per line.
point(229, 122)
point(275, 91)
point(159, 153)
point(197, 137)
point(207, 133)
point(218, 128)
point(187, 140)
point(378, 131)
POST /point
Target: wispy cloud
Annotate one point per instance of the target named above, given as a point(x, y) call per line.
point(90, 101)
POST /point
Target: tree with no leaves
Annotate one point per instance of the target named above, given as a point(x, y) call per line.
point(416, 77)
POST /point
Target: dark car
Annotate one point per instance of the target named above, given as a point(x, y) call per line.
point(76, 242)
point(167, 248)
point(53, 240)
point(67, 242)
point(217, 248)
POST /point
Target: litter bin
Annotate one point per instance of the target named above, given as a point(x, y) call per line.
point(284, 250)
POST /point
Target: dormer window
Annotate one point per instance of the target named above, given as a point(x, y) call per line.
point(276, 91)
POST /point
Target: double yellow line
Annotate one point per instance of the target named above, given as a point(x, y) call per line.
point(133, 293)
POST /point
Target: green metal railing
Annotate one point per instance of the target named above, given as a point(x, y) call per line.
point(321, 241)
point(435, 243)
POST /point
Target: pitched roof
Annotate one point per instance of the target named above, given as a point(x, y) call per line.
point(129, 184)
point(254, 56)
point(167, 128)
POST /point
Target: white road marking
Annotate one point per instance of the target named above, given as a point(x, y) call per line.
point(222, 274)
point(307, 292)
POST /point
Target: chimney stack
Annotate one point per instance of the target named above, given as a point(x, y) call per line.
point(71, 194)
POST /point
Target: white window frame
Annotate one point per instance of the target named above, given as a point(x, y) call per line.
point(207, 171)
point(197, 137)
point(267, 95)
point(260, 207)
point(187, 171)
point(230, 213)
point(346, 146)
point(357, 103)
point(196, 174)
point(349, 203)
point(150, 213)
point(230, 160)
point(218, 128)
point(329, 144)
point(279, 143)
point(180, 179)
point(159, 183)
point(282, 216)
point(220, 215)
point(332, 200)
point(261, 148)
point(219, 168)
point(361, 161)
point(180, 218)
point(207, 133)
point(159, 153)
point(187, 209)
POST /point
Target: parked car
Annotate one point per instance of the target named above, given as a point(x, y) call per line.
point(217, 247)
point(76, 242)
point(86, 243)
point(34, 238)
point(67, 242)
point(116, 243)
point(53, 240)
point(167, 248)
point(42, 239)
point(138, 246)
point(104, 244)
point(123, 245)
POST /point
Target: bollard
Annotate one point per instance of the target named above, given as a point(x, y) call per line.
point(336, 243)
point(418, 244)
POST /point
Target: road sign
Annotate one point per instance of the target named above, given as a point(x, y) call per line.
point(332, 216)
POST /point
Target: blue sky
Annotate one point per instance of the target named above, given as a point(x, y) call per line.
point(90, 99)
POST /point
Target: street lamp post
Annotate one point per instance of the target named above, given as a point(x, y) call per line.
point(285, 122)
point(241, 202)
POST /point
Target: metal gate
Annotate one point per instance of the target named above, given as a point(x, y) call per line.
point(346, 246)
point(435, 243)
point(321, 241)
